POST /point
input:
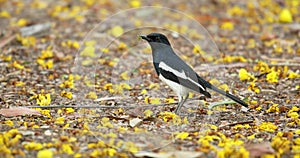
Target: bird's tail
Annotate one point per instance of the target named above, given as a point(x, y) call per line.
point(236, 99)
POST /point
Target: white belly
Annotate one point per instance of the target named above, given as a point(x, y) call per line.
point(177, 88)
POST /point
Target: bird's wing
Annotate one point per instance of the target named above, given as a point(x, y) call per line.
point(184, 76)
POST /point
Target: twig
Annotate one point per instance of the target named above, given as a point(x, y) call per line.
point(161, 147)
point(6, 40)
point(284, 62)
point(217, 66)
point(269, 91)
point(235, 123)
point(211, 106)
point(99, 106)
point(109, 98)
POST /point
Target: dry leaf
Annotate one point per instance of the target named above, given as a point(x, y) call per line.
point(258, 150)
point(135, 122)
point(17, 111)
point(176, 154)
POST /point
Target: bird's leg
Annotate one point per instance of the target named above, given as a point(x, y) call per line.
point(181, 101)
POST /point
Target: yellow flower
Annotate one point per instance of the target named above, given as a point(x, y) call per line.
point(33, 146)
point(109, 152)
point(46, 54)
point(295, 108)
point(106, 122)
point(22, 22)
point(66, 148)
point(122, 46)
point(26, 41)
point(9, 123)
point(169, 100)
point(17, 65)
point(293, 115)
point(19, 84)
point(149, 100)
point(105, 50)
point(116, 31)
point(45, 65)
point(253, 87)
point(60, 120)
point(88, 51)
point(258, 108)
point(69, 110)
point(251, 43)
point(42, 99)
point(214, 81)
point(144, 91)
point(185, 120)
point(230, 59)
point(107, 86)
point(135, 3)
point(66, 94)
point(148, 113)
point(131, 147)
point(267, 126)
point(6, 58)
point(227, 26)
point(251, 137)
point(280, 144)
point(170, 117)
point(197, 49)
point(91, 95)
point(244, 75)
point(4, 14)
point(273, 108)
point(236, 10)
point(154, 86)
point(272, 77)
point(293, 75)
point(44, 112)
point(182, 135)
point(39, 4)
point(224, 87)
point(239, 126)
point(262, 67)
point(68, 83)
point(46, 153)
point(285, 16)
point(124, 75)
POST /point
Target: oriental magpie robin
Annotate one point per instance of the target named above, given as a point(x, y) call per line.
point(180, 77)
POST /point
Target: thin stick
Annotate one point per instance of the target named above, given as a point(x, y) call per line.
point(235, 123)
point(161, 147)
point(99, 106)
point(6, 40)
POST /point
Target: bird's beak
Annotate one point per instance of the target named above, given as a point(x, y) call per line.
point(145, 38)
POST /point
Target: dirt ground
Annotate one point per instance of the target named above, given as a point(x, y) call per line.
point(77, 81)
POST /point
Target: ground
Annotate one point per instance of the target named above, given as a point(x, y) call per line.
point(77, 81)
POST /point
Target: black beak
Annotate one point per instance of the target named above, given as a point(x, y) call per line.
point(145, 38)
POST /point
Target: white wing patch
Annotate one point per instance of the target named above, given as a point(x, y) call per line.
point(181, 74)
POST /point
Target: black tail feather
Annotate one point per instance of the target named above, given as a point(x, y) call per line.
point(236, 99)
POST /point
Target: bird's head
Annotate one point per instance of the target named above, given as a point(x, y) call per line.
point(156, 38)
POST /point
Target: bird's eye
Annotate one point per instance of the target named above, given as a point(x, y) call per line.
point(157, 38)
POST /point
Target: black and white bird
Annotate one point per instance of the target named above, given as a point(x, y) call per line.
point(180, 77)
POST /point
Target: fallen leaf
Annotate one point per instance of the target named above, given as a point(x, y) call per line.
point(190, 154)
point(176, 154)
point(135, 122)
point(17, 111)
point(258, 150)
point(152, 154)
point(6, 40)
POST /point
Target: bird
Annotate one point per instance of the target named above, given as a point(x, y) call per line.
point(178, 75)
